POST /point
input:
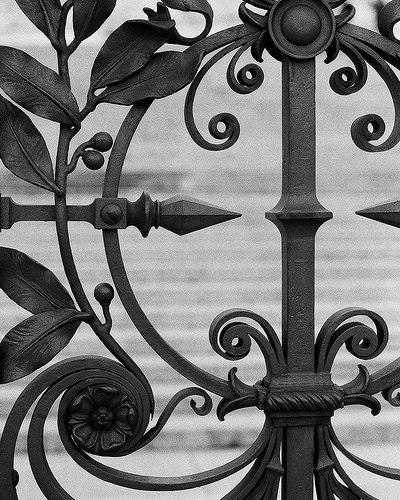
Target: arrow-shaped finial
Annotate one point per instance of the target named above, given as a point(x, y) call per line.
point(183, 215)
point(388, 213)
point(179, 214)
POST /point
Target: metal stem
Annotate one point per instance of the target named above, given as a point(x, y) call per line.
point(298, 273)
point(298, 226)
point(298, 216)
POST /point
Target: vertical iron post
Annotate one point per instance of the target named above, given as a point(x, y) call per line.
point(298, 216)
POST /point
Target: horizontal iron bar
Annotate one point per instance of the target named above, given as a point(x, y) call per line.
point(179, 214)
point(11, 212)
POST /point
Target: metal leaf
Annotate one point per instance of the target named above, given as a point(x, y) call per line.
point(36, 341)
point(90, 15)
point(23, 149)
point(36, 87)
point(165, 74)
point(127, 50)
point(30, 284)
point(44, 14)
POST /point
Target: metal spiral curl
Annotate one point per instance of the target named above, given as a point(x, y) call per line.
point(74, 372)
point(388, 17)
point(139, 439)
point(69, 374)
point(243, 84)
point(345, 16)
point(392, 395)
point(361, 340)
point(70, 377)
point(232, 339)
point(347, 80)
point(369, 127)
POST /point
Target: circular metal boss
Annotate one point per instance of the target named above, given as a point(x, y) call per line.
point(301, 28)
point(111, 214)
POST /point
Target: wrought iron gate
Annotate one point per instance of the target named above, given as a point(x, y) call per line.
point(106, 405)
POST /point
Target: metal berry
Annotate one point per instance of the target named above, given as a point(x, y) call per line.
point(93, 159)
point(102, 141)
point(104, 293)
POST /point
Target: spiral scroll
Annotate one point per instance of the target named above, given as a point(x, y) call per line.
point(360, 340)
point(231, 339)
point(347, 80)
point(243, 84)
point(364, 46)
point(120, 390)
point(388, 17)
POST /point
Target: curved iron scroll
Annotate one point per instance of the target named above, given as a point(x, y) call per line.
point(106, 405)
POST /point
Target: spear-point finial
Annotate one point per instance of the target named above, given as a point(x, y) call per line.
point(388, 213)
point(179, 214)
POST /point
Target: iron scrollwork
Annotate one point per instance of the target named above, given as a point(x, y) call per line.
point(106, 406)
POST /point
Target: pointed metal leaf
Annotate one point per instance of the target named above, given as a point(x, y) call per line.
point(388, 213)
point(165, 73)
point(183, 215)
point(128, 49)
point(44, 15)
point(30, 284)
point(89, 16)
point(23, 149)
point(36, 87)
point(35, 342)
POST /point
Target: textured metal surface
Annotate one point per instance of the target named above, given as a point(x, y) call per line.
point(105, 406)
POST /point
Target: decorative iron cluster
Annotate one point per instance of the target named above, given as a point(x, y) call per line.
point(106, 406)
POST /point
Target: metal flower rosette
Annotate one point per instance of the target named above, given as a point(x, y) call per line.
point(106, 405)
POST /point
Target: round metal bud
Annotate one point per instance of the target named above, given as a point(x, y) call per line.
point(301, 25)
point(93, 159)
point(301, 29)
point(104, 293)
point(102, 141)
point(111, 214)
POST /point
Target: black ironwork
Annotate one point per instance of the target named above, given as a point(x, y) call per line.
point(106, 405)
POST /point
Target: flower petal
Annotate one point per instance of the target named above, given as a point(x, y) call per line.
point(125, 418)
point(85, 436)
point(111, 439)
point(106, 396)
point(81, 407)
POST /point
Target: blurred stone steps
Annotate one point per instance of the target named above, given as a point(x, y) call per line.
point(189, 431)
point(165, 382)
point(183, 283)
